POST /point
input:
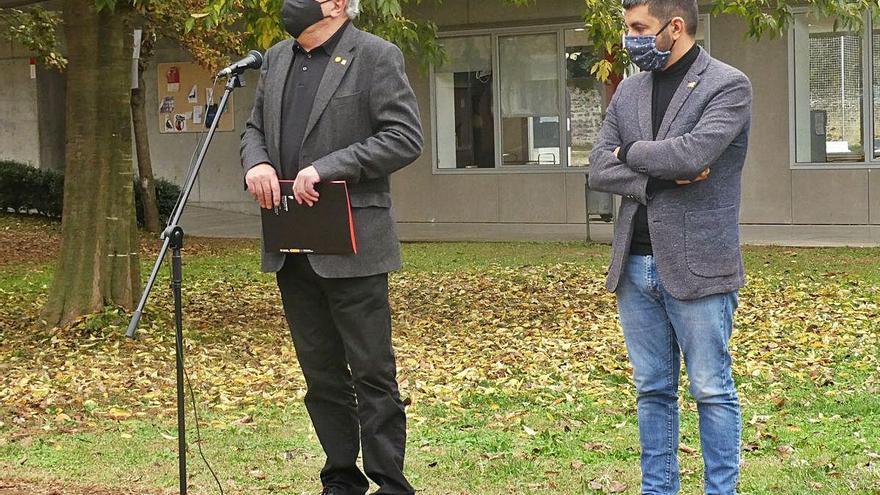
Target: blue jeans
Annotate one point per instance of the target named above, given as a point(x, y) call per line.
point(659, 329)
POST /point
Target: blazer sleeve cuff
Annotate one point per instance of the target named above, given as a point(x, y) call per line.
point(330, 169)
point(639, 192)
point(635, 158)
point(252, 160)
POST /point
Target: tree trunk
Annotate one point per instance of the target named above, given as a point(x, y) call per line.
point(99, 262)
point(142, 137)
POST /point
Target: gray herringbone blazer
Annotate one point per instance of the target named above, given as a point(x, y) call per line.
point(694, 228)
point(364, 126)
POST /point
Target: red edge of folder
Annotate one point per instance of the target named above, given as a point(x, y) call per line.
point(354, 244)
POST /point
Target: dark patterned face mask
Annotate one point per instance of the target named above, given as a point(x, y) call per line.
point(299, 15)
point(644, 53)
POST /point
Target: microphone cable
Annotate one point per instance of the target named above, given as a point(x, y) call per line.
point(195, 409)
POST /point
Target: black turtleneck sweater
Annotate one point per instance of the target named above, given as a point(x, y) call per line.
point(665, 84)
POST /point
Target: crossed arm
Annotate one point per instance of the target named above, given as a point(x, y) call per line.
point(687, 156)
point(607, 172)
point(684, 159)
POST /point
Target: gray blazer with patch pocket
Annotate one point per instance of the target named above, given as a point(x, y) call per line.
point(694, 228)
point(364, 126)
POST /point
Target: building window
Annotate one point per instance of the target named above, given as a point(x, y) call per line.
point(828, 95)
point(529, 99)
point(465, 119)
point(583, 97)
point(519, 99)
point(875, 90)
point(703, 37)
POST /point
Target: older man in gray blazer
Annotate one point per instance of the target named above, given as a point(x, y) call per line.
point(673, 144)
point(334, 103)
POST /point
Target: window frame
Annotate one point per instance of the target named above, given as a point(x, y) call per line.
point(494, 34)
point(870, 161)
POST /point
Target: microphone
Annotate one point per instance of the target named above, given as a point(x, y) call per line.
point(253, 60)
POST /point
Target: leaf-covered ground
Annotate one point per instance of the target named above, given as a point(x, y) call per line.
point(510, 356)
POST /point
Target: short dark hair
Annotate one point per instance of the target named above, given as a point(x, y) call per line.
point(667, 9)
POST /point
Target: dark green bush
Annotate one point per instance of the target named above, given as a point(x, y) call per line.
point(166, 198)
point(26, 189)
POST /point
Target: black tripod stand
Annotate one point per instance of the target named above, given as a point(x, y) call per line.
point(173, 237)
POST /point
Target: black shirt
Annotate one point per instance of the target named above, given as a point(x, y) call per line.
point(303, 79)
point(665, 84)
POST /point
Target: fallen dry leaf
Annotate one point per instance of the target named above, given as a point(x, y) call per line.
point(616, 487)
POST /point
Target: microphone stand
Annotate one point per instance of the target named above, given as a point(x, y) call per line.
point(173, 238)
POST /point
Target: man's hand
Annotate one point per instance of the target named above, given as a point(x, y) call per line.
point(700, 178)
point(304, 186)
point(262, 182)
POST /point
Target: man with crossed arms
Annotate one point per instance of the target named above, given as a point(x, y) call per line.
point(673, 145)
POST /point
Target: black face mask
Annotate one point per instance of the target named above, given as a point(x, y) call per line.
point(299, 15)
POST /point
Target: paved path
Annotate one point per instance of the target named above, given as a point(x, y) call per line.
point(207, 222)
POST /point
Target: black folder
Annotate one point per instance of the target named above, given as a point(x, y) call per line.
point(325, 228)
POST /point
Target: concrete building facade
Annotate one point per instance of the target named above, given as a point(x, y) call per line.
point(509, 118)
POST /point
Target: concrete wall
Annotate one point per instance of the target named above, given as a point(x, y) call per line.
point(19, 118)
point(220, 180)
point(874, 195)
point(33, 110)
point(464, 14)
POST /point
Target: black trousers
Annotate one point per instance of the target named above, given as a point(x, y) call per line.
point(341, 330)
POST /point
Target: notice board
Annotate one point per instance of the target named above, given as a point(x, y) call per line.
point(186, 99)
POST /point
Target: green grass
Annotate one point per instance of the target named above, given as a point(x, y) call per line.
point(862, 263)
point(574, 445)
point(803, 434)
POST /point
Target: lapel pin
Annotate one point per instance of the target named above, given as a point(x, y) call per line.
point(338, 60)
point(692, 84)
point(344, 62)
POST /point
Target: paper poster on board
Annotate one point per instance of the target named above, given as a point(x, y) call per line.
point(167, 105)
point(198, 111)
point(172, 78)
point(186, 98)
point(180, 122)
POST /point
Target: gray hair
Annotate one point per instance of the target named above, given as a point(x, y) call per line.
point(353, 9)
point(665, 10)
